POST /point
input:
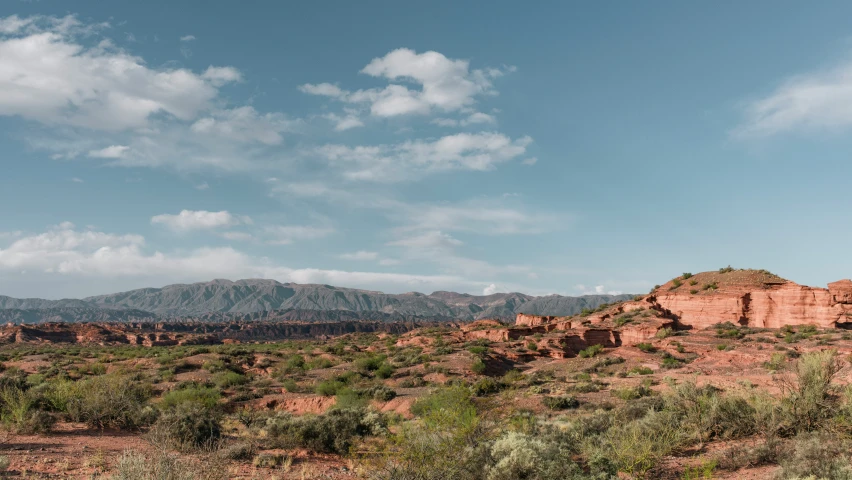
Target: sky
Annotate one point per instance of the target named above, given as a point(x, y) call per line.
point(549, 148)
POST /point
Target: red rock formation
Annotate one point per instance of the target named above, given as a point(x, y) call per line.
point(632, 334)
point(761, 302)
point(533, 320)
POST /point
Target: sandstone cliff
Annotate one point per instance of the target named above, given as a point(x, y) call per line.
point(752, 298)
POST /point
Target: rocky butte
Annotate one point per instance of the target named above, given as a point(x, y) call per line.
point(752, 298)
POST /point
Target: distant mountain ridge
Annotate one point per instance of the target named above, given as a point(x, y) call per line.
point(258, 295)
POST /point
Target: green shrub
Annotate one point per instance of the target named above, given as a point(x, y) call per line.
point(591, 351)
point(229, 379)
point(161, 465)
point(671, 362)
point(348, 398)
point(638, 446)
point(639, 370)
point(477, 350)
point(686, 276)
point(370, 363)
point(111, 400)
point(631, 393)
point(446, 443)
point(384, 371)
point(810, 397)
point(520, 456)
point(206, 397)
point(188, 426)
point(329, 388)
point(290, 385)
point(560, 403)
point(646, 347)
point(332, 432)
point(478, 366)
point(382, 393)
point(817, 455)
point(664, 333)
point(19, 412)
point(485, 386)
point(776, 362)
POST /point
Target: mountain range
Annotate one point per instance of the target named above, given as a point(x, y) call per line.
point(233, 298)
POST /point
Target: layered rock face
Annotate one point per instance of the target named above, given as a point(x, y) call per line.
point(754, 298)
point(770, 305)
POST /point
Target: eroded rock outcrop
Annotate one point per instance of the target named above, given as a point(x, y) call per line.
point(752, 298)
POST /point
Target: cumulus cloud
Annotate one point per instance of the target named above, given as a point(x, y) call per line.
point(344, 122)
point(412, 159)
point(63, 255)
point(473, 119)
point(597, 290)
point(245, 124)
point(813, 101)
point(187, 38)
point(113, 151)
point(99, 87)
point(444, 84)
point(188, 220)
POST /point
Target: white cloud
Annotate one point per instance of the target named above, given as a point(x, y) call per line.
point(445, 84)
point(479, 117)
point(48, 75)
point(245, 124)
point(113, 151)
point(597, 290)
point(530, 161)
point(219, 76)
point(187, 38)
point(77, 180)
point(85, 262)
point(188, 220)
point(344, 122)
point(491, 289)
point(13, 24)
point(412, 159)
point(202, 186)
point(322, 89)
point(360, 255)
point(473, 119)
point(389, 262)
point(811, 102)
point(287, 234)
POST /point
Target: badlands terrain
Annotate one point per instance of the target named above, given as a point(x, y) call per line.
point(729, 374)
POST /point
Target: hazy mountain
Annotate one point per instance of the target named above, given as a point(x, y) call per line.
point(38, 303)
point(74, 315)
point(255, 295)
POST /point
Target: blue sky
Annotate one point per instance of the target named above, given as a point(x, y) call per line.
point(480, 147)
